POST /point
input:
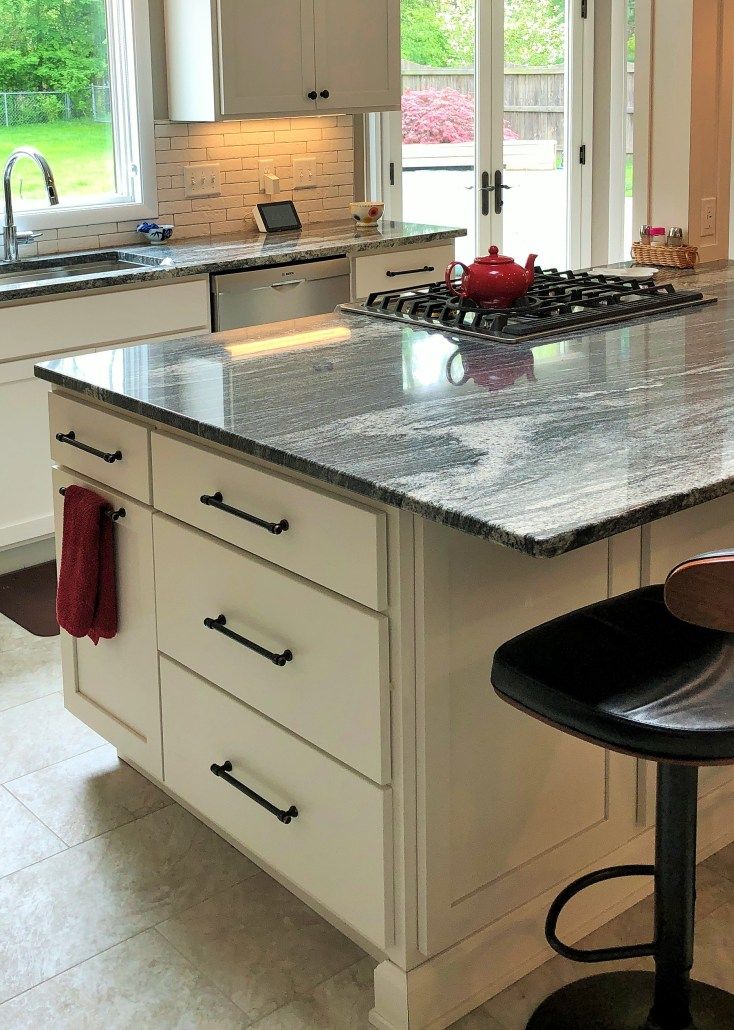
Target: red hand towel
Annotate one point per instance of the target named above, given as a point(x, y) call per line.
point(86, 599)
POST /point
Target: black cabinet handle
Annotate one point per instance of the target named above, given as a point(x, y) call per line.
point(120, 513)
point(312, 95)
point(325, 94)
point(71, 439)
point(411, 271)
point(282, 815)
point(220, 625)
point(217, 501)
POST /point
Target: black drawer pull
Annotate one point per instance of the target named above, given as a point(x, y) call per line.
point(220, 625)
point(109, 512)
point(280, 814)
point(71, 439)
point(216, 501)
point(411, 271)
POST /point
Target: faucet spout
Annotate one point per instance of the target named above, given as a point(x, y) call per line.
point(10, 232)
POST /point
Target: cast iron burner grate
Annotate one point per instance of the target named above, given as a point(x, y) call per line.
point(557, 302)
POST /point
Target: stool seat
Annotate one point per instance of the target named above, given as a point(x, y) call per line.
point(628, 675)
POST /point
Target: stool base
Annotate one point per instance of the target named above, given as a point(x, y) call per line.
point(622, 1001)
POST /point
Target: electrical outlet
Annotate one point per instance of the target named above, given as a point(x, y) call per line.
point(204, 180)
point(304, 173)
point(265, 166)
point(708, 216)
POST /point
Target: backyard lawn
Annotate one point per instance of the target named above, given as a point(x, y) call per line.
point(79, 152)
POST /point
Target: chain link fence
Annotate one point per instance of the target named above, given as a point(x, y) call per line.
point(32, 108)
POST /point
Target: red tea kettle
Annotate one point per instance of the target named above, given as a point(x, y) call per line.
point(494, 281)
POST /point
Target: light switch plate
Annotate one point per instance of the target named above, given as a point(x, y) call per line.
point(202, 180)
point(708, 216)
point(304, 173)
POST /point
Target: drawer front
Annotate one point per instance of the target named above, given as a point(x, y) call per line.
point(397, 269)
point(335, 689)
point(66, 323)
point(106, 433)
point(332, 542)
point(113, 687)
point(337, 849)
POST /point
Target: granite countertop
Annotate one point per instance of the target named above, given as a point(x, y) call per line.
point(541, 448)
point(206, 254)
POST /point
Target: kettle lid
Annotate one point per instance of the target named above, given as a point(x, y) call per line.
point(495, 258)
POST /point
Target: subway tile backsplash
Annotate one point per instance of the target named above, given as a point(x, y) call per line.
point(236, 146)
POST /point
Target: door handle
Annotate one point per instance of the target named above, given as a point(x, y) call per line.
point(497, 189)
point(287, 282)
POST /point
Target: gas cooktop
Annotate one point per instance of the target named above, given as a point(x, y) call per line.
point(557, 303)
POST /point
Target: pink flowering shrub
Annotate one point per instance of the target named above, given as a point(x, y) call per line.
point(441, 116)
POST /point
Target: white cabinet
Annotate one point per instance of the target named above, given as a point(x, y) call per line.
point(232, 59)
point(357, 47)
point(25, 471)
point(114, 686)
point(35, 331)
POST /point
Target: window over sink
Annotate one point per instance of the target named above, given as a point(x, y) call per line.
point(75, 82)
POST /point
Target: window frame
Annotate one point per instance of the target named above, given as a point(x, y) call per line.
point(131, 91)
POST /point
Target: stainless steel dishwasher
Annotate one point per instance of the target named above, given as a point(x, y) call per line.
point(279, 293)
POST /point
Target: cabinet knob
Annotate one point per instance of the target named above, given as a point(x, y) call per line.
point(325, 94)
point(312, 95)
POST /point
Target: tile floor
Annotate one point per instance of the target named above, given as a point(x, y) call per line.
point(119, 910)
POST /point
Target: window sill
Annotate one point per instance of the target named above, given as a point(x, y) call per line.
point(65, 217)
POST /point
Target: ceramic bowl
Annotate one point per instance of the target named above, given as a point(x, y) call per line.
point(155, 233)
point(367, 213)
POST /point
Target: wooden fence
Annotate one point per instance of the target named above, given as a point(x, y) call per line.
point(533, 96)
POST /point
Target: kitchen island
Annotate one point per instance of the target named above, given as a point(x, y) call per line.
point(377, 508)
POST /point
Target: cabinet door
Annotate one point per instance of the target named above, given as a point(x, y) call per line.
point(358, 54)
point(113, 687)
point(266, 57)
point(25, 463)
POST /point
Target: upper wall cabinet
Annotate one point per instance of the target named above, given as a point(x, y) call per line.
point(245, 58)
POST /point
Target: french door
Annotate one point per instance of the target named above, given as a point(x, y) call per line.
point(495, 131)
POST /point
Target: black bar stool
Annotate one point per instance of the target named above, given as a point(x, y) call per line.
point(650, 674)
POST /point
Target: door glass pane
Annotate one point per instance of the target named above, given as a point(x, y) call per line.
point(55, 96)
point(629, 172)
point(438, 120)
point(534, 130)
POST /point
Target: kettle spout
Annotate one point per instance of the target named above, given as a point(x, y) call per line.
point(530, 269)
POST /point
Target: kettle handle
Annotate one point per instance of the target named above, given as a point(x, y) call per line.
point(455, 287)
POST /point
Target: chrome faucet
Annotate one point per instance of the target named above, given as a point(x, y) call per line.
point(11, 236)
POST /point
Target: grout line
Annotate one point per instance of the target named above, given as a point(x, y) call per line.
point(27, 990)
point(37, 818)
point(58, 690)
point(41, 768)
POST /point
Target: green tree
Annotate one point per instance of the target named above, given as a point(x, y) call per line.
point(535, 32)
point(441, 32)
point(52, 45)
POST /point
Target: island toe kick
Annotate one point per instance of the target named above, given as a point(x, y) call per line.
point(320, 695)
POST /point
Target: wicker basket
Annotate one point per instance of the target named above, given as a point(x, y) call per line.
point(666, 257)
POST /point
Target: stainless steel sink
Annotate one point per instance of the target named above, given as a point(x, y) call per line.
point(67, 270)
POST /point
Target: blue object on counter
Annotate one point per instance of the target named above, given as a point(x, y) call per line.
point(155, 233)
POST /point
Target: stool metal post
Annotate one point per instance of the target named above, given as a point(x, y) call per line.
point(675, 894)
